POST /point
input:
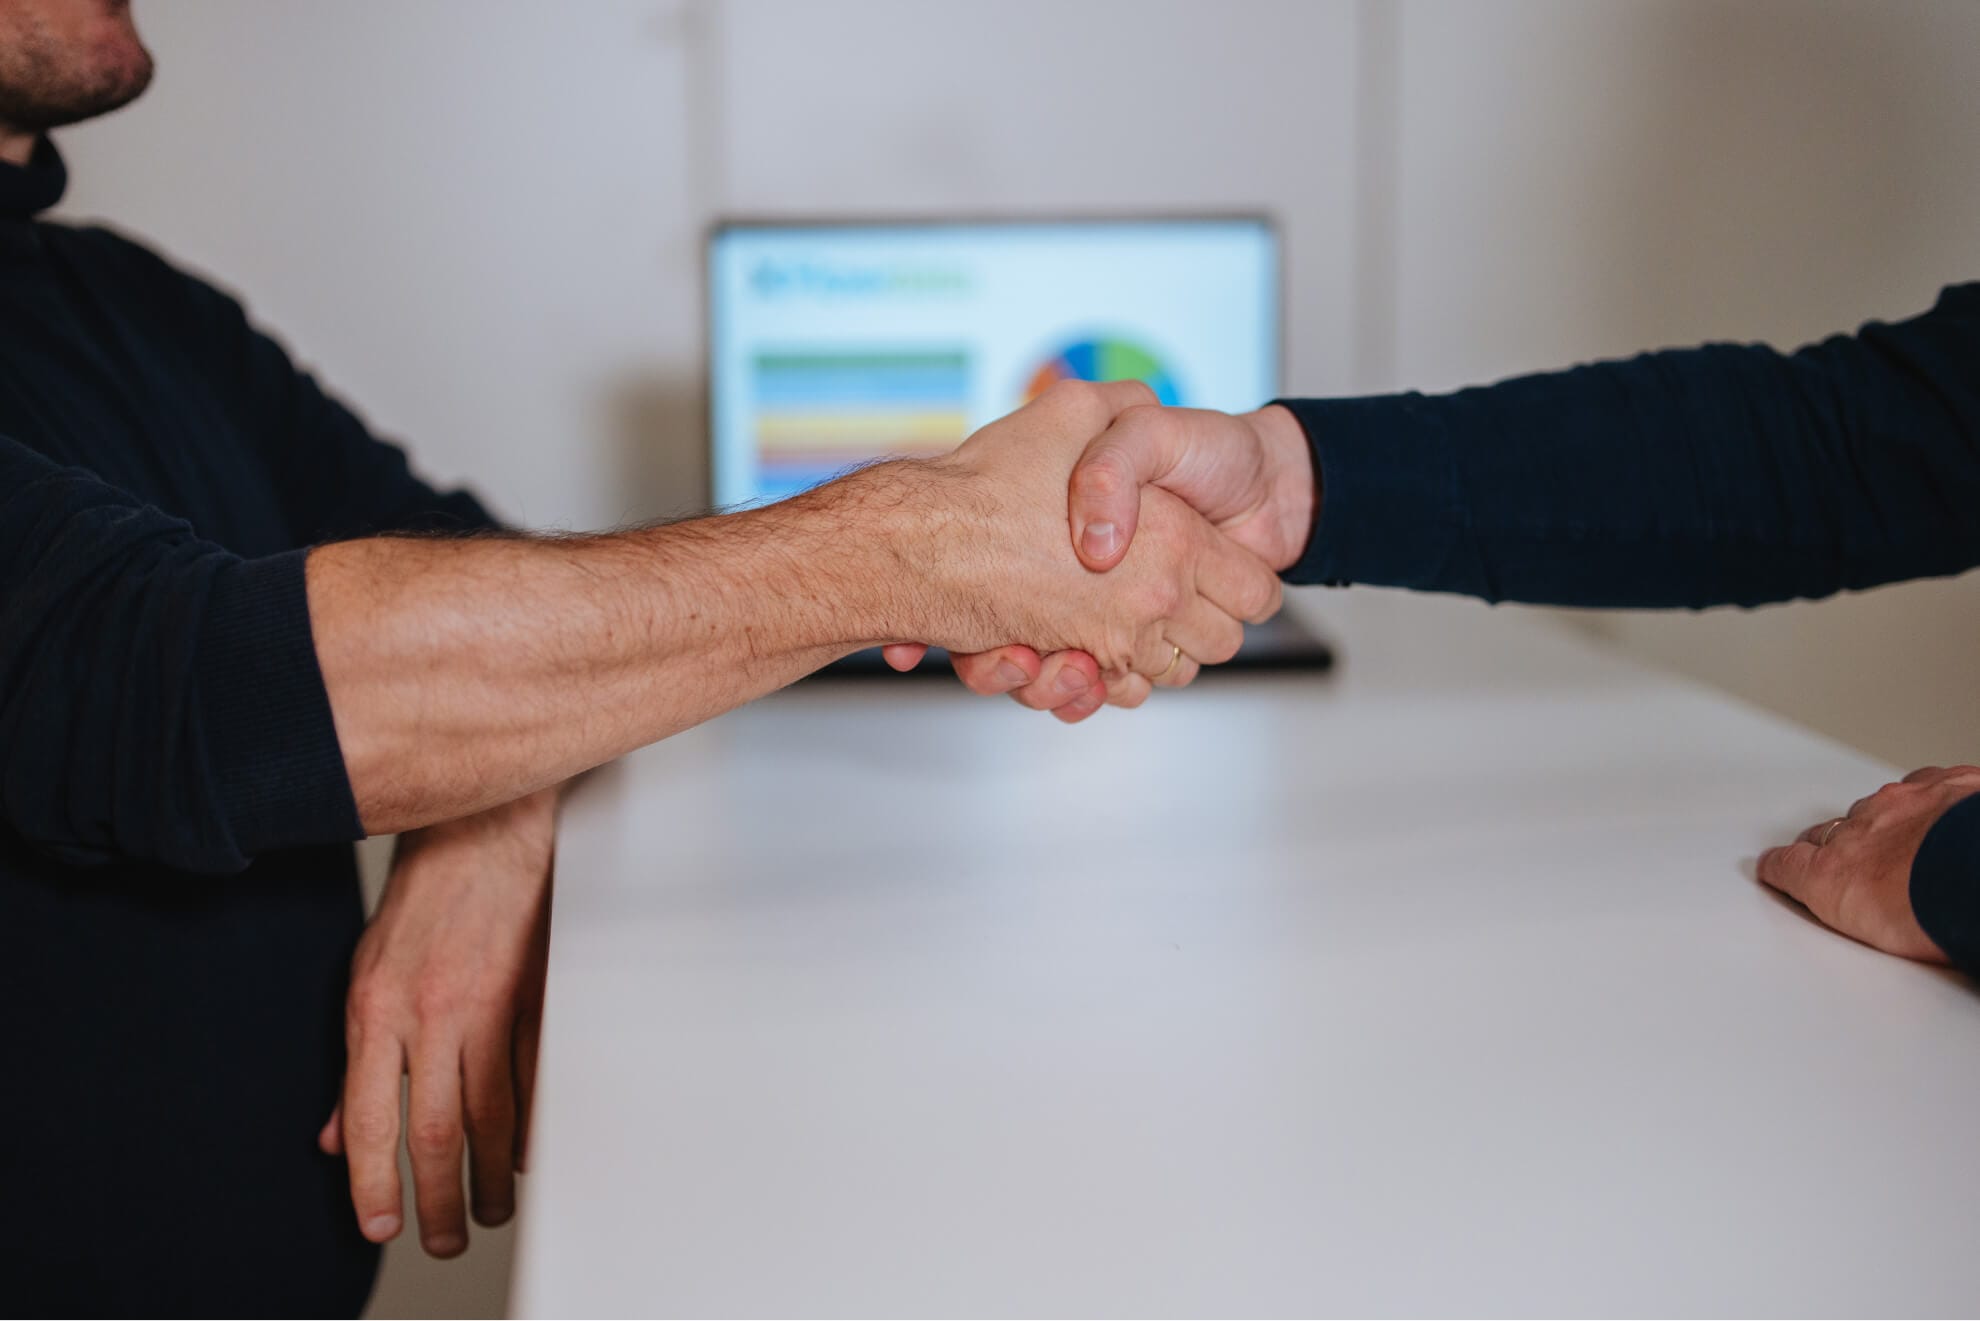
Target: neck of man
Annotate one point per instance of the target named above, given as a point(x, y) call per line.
point(16, 144)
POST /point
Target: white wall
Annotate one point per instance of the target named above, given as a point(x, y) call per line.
point(1029, 105)
point(474, 218)
point(1584, 180)
point(480, 220)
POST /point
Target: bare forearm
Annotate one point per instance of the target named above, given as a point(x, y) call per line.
point(463, 674)
point(467, 673)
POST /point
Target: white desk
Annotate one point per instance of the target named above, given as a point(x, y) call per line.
point(1436, 986)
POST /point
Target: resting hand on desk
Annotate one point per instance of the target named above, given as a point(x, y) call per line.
point(1853, 872)
point(1253, 476)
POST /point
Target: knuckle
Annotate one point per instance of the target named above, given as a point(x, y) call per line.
point(433, 1137)
point(1081, 395)
point(369, 1126)
point(1117, 658)
point(1103, 473)
point(436, 998)
point(372, 1002)
point(1081, 390)
point(1159, 597)
point(1266, 600)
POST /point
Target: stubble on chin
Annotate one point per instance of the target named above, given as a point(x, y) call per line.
point(48, 81)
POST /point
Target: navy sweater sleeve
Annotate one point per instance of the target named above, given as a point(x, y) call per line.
point(161, 696)
point(1729, 474)
point(1696, 477)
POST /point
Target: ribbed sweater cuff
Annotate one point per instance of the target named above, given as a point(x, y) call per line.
point(1945, 883)
point(1388, 509)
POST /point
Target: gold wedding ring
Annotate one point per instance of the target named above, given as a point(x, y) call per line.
point(1832, 828)
point(1174, 661)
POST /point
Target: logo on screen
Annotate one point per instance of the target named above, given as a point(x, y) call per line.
point(818, 279)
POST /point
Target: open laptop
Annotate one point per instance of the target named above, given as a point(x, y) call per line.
point(832, 343)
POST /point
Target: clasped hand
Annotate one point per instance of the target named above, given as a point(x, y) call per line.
point(1249, 477)
point(1005, 568)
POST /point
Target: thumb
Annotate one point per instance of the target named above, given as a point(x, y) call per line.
point(1106, 486)
point(1211, 460)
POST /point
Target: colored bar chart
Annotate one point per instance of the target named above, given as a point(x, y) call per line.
point(820, 413)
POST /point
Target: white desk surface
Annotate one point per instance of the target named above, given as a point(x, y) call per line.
point(1440, 985)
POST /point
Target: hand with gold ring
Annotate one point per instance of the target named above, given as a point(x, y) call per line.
point(1853, 872)
point(1252, 476)
point(1179, 672)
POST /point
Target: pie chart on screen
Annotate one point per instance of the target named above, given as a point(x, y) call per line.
point(1105, 359)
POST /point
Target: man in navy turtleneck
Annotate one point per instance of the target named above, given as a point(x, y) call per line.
point(170, 1040)
point(222, 660)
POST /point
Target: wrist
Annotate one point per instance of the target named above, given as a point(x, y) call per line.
point(1291, 475)
point(529, 822)
point(893, 561)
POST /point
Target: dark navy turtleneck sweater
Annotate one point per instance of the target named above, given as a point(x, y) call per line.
point(1730, 474)
point(178, 892)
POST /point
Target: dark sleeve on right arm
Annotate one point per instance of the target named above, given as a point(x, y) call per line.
point(1945, 884)
point(1724, 474)
point(160, 697)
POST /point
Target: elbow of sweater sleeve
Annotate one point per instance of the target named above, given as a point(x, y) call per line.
point(278, 771)
point(160, 698)
point(1945, 884)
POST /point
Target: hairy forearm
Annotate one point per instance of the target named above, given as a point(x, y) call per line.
point(467, 673)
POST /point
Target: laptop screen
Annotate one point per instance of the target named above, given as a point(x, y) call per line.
point(833, 344)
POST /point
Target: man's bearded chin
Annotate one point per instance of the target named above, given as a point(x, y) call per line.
point(39, 91)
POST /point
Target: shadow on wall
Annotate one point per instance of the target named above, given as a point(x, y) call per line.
point(1789, 163)
point(657, 448)
point(1790, 171)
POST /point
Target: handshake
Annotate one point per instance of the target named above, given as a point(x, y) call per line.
point(469, 676)
point(1180, 521)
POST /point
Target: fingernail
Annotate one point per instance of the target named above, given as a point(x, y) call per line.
point(383, 1227)
point(1081, 709)
point(493, 1216)
point(445, 1245)
point(1071, 681)
point(1099, 540)
point(1009, 674)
